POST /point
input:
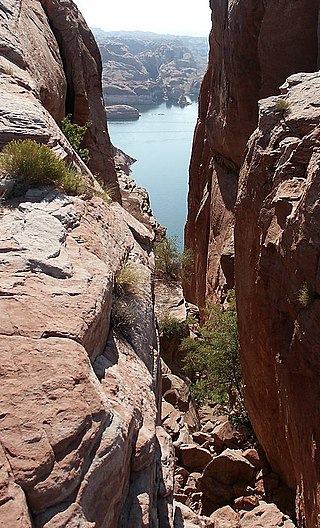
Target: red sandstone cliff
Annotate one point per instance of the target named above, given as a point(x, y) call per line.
point(50, 66)
point(254, 47)
point(79, 438)
point(277, 276)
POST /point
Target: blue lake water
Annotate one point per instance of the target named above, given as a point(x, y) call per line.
point(161, 142)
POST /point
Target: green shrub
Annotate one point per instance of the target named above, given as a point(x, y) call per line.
point(170, 262)
point(75, 134)
point(127, 279)
point(212, 361)
point(35, 164)
point(171, 326)
point(8, 70)
point(282, 104)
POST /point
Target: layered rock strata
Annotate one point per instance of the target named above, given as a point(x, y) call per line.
point(277, 276)
point(254, 46)
point(79, 442)
point(63, 76)
point(79, 436)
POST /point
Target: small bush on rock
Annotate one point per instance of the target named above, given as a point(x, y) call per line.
point(212, 361)
point(125, 313)
point(126, 279)
point(35, 164)
point(282, 104)
point(171, 264)
point(75, 134)
point(125, 316)
point(172, 327)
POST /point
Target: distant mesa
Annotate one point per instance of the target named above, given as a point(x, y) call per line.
point(122, 113)
point(143, 69)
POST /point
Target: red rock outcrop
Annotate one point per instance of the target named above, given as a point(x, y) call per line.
point(79, 443)
point(50, 65)
point(254, 46)
point(277, 276)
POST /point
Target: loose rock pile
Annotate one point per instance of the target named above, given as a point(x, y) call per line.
point(222, 478)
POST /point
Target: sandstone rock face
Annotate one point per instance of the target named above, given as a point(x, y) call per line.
point(62, 76)
point(265, 515)
point(254, 46)
point(277, 274)
point(79, 444)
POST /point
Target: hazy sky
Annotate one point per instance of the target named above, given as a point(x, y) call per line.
point(166, 16)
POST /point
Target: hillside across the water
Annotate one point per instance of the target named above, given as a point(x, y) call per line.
point(145, 68)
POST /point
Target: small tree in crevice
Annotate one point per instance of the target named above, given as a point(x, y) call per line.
point(212, 360)
point(75, 134)
point(171, 264)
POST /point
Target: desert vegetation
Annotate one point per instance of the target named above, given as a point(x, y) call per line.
point(75, 134)
point(27, 163)
point(34, 164)
point(170, 263)
point(125, 312)
point(212, 360)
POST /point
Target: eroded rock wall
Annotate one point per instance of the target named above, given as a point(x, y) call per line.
point(50, 65)
point(79, 443)
point(254, 47)
point(277, 277)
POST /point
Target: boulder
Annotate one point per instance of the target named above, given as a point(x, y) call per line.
point(255, 458)
point(224, 436)
point(247, 503)
point(184, 517)
point(194, 456)
point(265, 515)
point(217, 492)
point(200, 437)
point(230, 467)
point(225, 517)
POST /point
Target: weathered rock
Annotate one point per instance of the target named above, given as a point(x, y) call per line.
point(200, 437)
point(66, 427)
point(217, 492)
point(254, 458)
point(265, 515)
point(64, 76)
point(224, 436)
point(230, 467)
point(194, 456)
point(244, 66)
point(278, 287)
point(192, 484)
point(122, 113)
point(247, 503)
point(143, 69)
point(83, 70)
point(184, 517)
point(225, 517)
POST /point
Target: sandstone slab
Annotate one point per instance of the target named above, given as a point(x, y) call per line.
point(265, 515)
